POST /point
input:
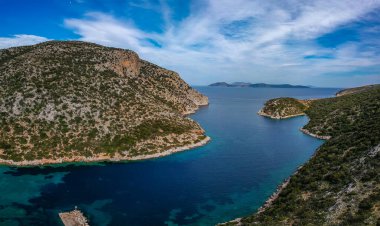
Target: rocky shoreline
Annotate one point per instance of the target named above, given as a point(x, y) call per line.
point(275, 195)
point(193, 111)
point(269, 201)
point(118, 158)
point(104, 158)
point(278, 117)
point(305, 131)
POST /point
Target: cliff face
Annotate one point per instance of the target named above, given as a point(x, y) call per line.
point(66, 101)
point(340, 184)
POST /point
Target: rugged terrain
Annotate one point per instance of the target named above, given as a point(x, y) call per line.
point(340, 184)
point(77, 101)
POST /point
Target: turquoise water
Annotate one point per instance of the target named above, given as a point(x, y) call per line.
point(232, 176)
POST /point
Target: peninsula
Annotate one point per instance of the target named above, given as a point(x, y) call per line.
point(66, 101)
point(339, 185)
point(256, 85)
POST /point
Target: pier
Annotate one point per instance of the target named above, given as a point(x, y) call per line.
point(73, 218)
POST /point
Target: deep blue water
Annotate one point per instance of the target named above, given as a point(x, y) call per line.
point(232, 176)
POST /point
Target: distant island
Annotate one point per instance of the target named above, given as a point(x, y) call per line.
point(70, 101)
point(339, 185)
point(256, 85)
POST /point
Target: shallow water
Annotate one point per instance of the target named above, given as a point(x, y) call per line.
point(232, 176)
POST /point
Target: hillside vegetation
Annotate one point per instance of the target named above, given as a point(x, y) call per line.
point(340, 185)
point(68, 100)
point(356, 90)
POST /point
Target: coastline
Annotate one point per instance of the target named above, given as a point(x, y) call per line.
point(283, 185)
point(278, 117)
point(42, 162)
point(269, 201)
point(275, 194)
point(103, 158)
point(280, 187)
point(305, 131)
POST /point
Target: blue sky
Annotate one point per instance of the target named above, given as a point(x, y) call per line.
point(330, 43)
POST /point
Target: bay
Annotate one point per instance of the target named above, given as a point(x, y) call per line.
point(247, 158)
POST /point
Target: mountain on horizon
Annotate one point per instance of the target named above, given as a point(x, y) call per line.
point(241, 84)
point(256, 85)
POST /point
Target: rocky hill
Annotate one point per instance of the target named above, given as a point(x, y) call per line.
point(340, 184)
point(78, 101)
point(287, 107)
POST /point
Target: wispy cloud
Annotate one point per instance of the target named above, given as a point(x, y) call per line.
point(248, 40)
point(20, 40)
point(240, 40)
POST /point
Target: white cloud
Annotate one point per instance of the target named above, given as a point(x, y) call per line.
point(201, 50)
point(20, 40)
point(248, 40)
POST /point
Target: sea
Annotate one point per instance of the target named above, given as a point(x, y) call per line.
point(230, 177)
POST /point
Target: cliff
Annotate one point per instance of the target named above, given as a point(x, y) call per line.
point(78, 101)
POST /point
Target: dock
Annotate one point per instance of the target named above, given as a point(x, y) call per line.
point(73, 218)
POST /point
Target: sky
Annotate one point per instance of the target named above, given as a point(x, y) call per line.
point(324, 43)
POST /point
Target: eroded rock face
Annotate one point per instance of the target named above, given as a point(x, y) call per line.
point(78, 99)
point(129, 63)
